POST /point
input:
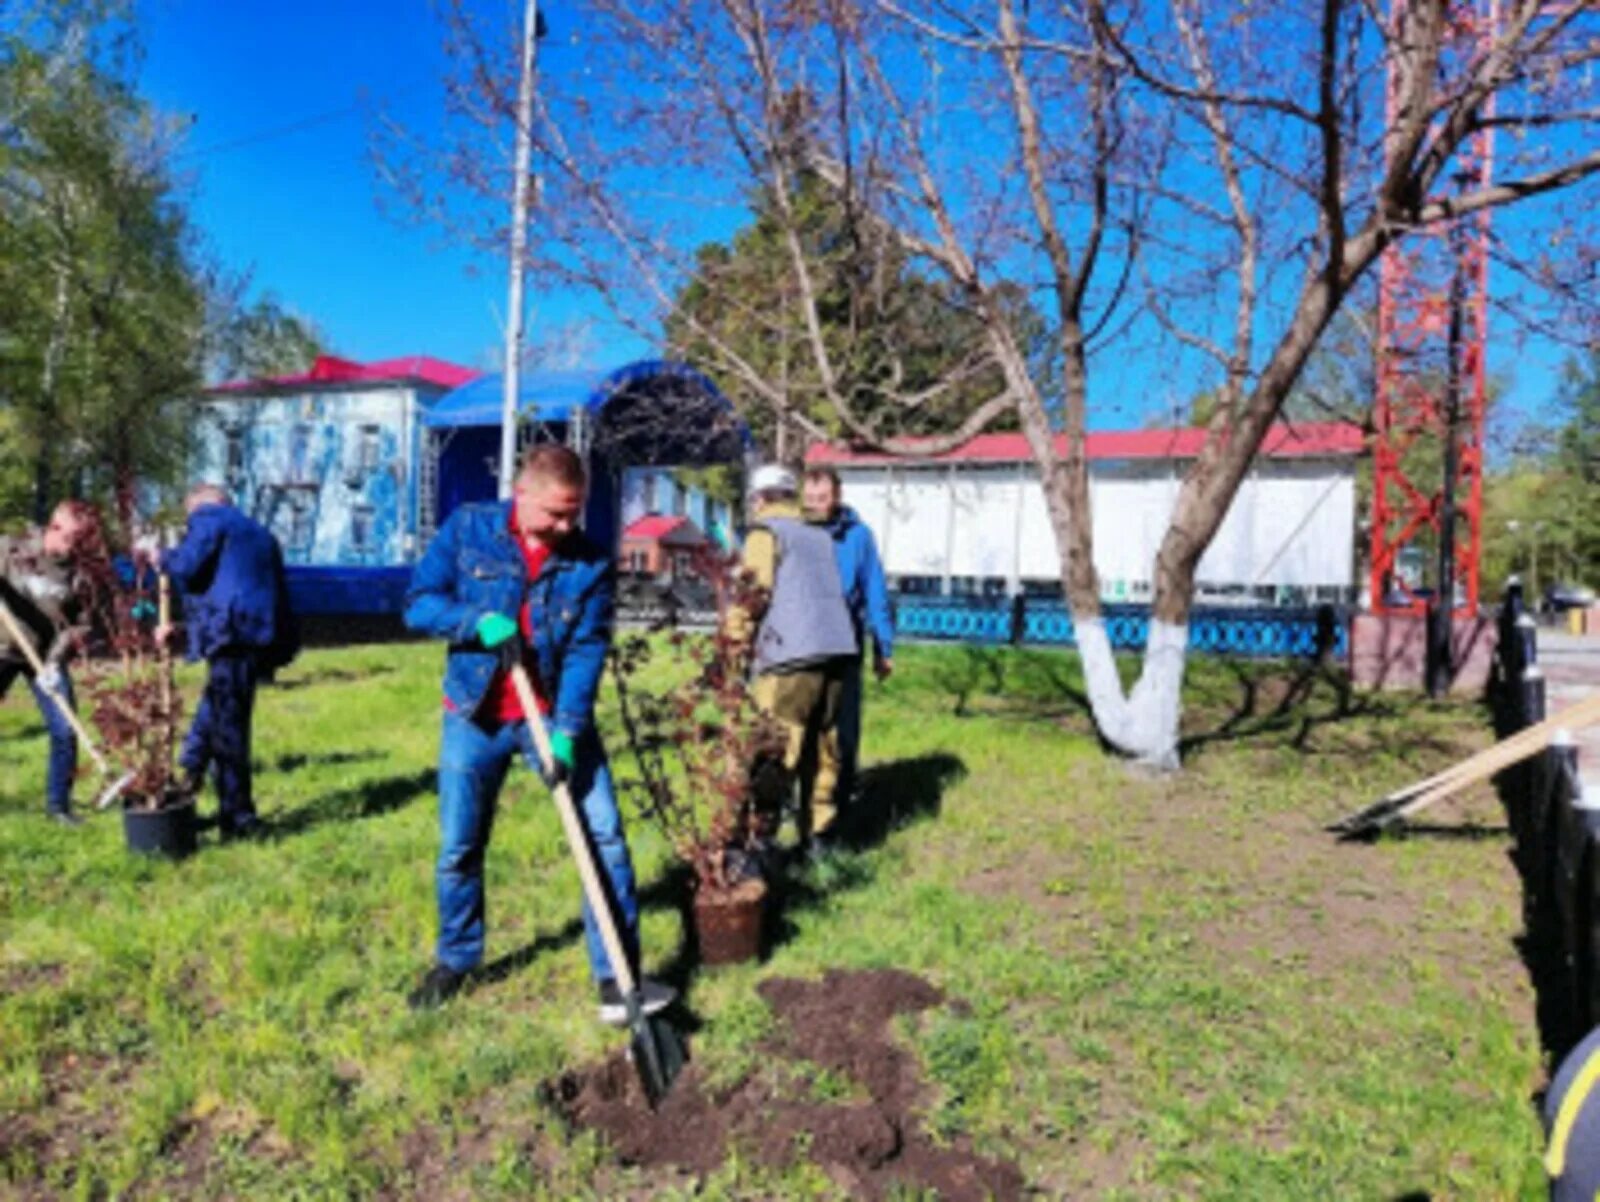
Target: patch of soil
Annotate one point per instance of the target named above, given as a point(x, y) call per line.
point(866, 1147)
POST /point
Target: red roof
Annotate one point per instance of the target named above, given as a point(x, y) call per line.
point(330, 369)
point(1283, 441)
point(657, 526)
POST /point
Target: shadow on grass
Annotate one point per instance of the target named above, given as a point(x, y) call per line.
point(509, 965)
point(890, 797)
point(362, 801)
point(298, 760)
point(1470, 832)
point(1225, 700)
point(321, 676)
point(1269, 702)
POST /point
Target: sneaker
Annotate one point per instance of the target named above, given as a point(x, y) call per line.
point(440, 985)
point(64, 818)
point(653, 994)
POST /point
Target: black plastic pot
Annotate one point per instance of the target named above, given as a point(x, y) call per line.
point(170, 831)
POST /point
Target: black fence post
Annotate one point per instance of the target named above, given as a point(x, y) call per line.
point(1527, 639)
point(1019, 618)
point(1570, 839)
point(1524, 703)
point(1586, 905)
point(1531, 703)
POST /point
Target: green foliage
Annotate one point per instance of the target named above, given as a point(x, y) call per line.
point(1542, 512)
point(103, 303)
point(888, 329)
point(266, 339)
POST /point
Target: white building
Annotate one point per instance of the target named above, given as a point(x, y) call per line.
point(327, 459)
point(974, 522)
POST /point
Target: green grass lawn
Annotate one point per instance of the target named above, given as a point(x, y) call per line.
point(1174, 987)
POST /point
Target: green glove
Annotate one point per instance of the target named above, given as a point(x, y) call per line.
point(494, 629)
point(562, 754)
point(142, 611)
point(564, 749)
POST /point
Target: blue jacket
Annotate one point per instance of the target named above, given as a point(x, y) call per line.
point(861, 576)
point(474, 567)
point(230, 569)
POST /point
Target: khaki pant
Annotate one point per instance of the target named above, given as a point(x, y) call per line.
point(805, 703)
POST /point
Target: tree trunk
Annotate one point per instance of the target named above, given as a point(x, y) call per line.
point(42, 479)
point(1144, 722)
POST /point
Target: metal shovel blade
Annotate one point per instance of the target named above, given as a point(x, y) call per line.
point(657, 1051)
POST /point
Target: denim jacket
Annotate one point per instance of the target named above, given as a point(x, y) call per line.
point(474, 567)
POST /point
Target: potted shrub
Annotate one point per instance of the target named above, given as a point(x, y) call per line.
point(710, 762)
point(126, 681)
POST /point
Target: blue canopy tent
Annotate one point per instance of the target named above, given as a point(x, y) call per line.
point(651, 413)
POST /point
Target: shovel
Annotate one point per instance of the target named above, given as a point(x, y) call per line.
point(658, 1051)
point(18, 636)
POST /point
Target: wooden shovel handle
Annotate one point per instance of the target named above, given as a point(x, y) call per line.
point(31, 653)
point(577, 836)
point(163, 621)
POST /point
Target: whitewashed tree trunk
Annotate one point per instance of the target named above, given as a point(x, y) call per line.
point(1144, 723)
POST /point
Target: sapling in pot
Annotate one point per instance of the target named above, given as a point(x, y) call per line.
point(710, 761)
point(128, 691)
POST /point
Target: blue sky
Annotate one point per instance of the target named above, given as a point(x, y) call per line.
point(282, 96)
point(298, 208)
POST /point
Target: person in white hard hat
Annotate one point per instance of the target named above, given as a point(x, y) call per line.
point(803, 640)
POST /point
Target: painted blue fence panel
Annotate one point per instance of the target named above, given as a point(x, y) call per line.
point(954, 618)
point(1262, 633)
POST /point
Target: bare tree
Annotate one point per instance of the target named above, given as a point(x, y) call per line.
point(1191, 181)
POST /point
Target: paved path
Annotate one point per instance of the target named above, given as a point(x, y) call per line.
point(1571, 665)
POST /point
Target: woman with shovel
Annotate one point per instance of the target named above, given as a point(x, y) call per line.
point(39, 606)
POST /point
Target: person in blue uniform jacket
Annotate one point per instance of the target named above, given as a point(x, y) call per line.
point(228, 570)
point(866, 593)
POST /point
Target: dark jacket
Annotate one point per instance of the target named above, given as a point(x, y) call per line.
point(230, 569)
point(861, 576)
point(474, 567)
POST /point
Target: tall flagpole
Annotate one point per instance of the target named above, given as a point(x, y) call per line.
point(519, 246)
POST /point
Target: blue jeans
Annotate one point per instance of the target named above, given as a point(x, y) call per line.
point(473, 760)
point(63, 764)
point(219, 736)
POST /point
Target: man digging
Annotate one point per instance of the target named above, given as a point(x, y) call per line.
point(504, 582)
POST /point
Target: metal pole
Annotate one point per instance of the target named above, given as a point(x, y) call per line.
point(1444, 601)
point(519, 246)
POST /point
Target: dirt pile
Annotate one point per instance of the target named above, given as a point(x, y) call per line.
point(841, 1024)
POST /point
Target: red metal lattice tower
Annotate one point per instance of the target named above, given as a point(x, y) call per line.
point(1433, 309)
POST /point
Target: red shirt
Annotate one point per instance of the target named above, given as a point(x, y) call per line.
point(501, 703)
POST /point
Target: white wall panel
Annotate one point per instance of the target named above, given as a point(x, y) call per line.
point(983, 542)
point(1292, 523)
